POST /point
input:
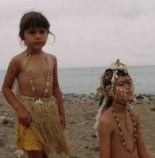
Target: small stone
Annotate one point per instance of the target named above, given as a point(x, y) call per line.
point(94, 136)
point(19, 153)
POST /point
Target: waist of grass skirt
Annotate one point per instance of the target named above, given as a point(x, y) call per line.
point(36, 99)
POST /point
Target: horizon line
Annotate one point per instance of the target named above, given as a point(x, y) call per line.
point(70, 67)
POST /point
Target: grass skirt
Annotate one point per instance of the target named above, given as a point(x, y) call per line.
point(45, 125)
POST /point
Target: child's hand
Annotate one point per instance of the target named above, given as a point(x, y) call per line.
point(23, 116)
point(63, 121)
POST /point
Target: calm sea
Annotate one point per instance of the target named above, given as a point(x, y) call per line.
point(86, 80)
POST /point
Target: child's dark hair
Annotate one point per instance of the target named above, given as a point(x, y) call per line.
point(108, 74)
point(33, 19)
point(106, 81)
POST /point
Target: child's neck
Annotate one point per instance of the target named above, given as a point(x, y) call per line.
point(119, 106)
point(31, 51)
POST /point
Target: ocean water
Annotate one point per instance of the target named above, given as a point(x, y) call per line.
point(86, 80)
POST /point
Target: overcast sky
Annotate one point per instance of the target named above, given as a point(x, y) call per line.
point(88, 32)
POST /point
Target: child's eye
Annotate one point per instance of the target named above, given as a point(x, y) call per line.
point(31, 32)
point(42, 31)
point(121, 84)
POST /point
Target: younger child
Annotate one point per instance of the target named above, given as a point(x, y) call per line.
point(117, 123)
point(38, 103)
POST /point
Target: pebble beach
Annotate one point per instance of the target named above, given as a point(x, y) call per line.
point(80, 114)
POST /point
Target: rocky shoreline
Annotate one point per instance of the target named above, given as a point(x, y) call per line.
point(80, 112)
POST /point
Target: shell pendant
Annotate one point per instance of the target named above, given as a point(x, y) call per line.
point(39, 101)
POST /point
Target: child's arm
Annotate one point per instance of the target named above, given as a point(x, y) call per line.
point(11, 74)
point(141, 148)
point(104, 132)
point(58, 96)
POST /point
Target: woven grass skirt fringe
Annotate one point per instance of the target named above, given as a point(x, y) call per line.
point(46, 125)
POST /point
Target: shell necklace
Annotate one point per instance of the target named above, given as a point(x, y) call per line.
point(121, 130)
point(38, 99)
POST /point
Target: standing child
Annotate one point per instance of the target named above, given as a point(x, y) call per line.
point(117, 123)
point(38, 103)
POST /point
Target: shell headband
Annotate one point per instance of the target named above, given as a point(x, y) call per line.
point(114, 69)
point(116, 66)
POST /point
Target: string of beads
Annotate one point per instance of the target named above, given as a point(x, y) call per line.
point(121, 130)
point(48, 76)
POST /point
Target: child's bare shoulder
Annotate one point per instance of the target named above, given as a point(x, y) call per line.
point(107, 118)
point(17, 59)
point(50, 55)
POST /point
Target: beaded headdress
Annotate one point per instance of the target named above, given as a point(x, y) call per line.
point(118, 65)
point(112, 70)
point(115, 67)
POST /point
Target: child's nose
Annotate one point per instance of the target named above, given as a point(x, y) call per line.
point(38, 35)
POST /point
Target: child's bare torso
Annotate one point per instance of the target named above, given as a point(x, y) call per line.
point(35, 67)
point(117, 148)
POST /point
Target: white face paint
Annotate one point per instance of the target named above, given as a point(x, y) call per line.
point(120, 89)
point(122, 93)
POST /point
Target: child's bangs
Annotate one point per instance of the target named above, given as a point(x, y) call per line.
point(36, 22)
